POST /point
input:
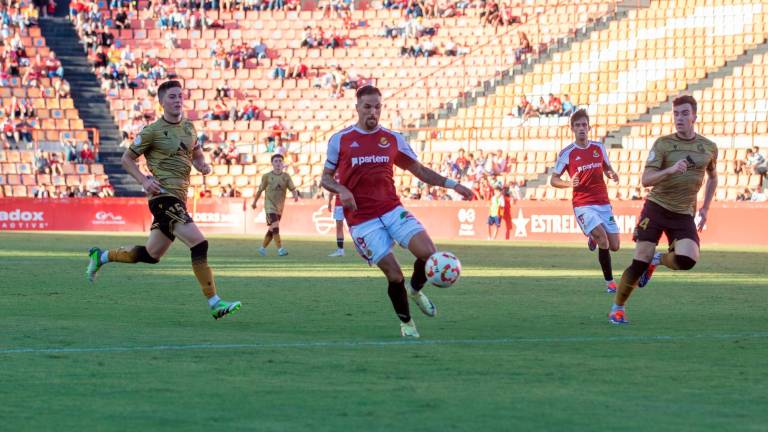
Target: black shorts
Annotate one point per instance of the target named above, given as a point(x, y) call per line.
point(273, 217)
point(167, 212)
point(655, 220)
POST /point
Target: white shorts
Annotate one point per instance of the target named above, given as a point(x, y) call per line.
point(338, 213)
point(591, 216)
point(374, 238)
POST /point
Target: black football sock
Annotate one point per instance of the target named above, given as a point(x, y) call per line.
point(399, 300)
point(604, 256)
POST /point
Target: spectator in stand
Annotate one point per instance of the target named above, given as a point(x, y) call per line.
point(219, 111)
point(24, 131)
point(55, 164)
point(524, 47)
point(219, 155)
point(61, 88)
point(231, 156)
point(541, 106)
point(258, 50)
point(530, 111)
point(759, 164)
point(280, 69)
point(745, 196)
point(449, 48)
point(106, 189)
point(70, 149)
point(568, 107)
point(222, 91)
point(428, 47)
point(740, 165)
point(553, 107)
point(275, 138)
point(298, 69)
point(490, 13)
point(250, 111)
point(86, 155)
point(93, 186)
point(53, 66)
point(121, 20)
point(42, 165)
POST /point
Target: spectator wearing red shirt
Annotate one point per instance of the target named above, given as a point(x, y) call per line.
point(86, 155)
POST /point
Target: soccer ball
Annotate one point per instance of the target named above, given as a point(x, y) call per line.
point(443, 269)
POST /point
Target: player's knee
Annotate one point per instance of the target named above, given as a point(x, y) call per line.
point(142, 255)
point(684, 263)
point(614, 247)
point(199, 251)
point(275, 230)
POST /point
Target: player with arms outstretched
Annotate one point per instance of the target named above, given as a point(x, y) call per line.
point(586, 163)
point(171, 148)
point(364, 156)
point(675, 169)
point(275, 183)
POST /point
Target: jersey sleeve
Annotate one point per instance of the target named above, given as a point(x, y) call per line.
point(264, 183)
point(142, 142)
point(656, 155)
point(332, 158)
point(562, 163)
point(405, 154)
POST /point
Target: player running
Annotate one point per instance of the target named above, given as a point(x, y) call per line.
point(675, 169)
point(364, 155)
point(170, 148)
point(275, 183)
point(586, 162)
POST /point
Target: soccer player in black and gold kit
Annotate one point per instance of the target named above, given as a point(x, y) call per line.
point(675, 169)
point(171, 149)
point(274, 185)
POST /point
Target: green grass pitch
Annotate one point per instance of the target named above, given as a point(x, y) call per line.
point(522, 342)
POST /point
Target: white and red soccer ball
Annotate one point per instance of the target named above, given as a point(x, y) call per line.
point(443, 269)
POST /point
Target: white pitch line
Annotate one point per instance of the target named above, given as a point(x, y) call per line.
point(398, 342)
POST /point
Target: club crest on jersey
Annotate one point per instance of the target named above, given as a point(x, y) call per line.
point(595, 154)
point(384, 142)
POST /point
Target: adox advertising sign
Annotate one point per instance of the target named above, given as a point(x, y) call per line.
point(729, 223)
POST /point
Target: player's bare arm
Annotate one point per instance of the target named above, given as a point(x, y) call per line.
point(345, 195)
point(611, 173)
point(330, 201)
point(150, 184)
point(432, 178)
point(296, 195)
point(709, 191)
point(556, 180)
point(198, 161)
point(256, 199)
point(654, 176)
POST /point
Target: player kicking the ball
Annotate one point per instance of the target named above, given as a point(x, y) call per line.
point(586, 162)
point(364, 155)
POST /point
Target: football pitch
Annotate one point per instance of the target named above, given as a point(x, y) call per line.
point(522, 342)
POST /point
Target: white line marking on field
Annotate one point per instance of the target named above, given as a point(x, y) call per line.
point(380, 343)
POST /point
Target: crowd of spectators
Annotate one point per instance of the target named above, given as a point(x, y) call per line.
point(553, 106)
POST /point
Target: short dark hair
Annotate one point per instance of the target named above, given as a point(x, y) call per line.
point(367, 90)
point(578, 115)
point(685, 99)
point(164, 87)
point(275, 156)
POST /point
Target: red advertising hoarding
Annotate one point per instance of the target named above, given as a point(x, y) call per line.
point(729, 223)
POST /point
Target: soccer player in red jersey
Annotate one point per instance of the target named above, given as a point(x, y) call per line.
point(364, 156)
point(586, 162)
